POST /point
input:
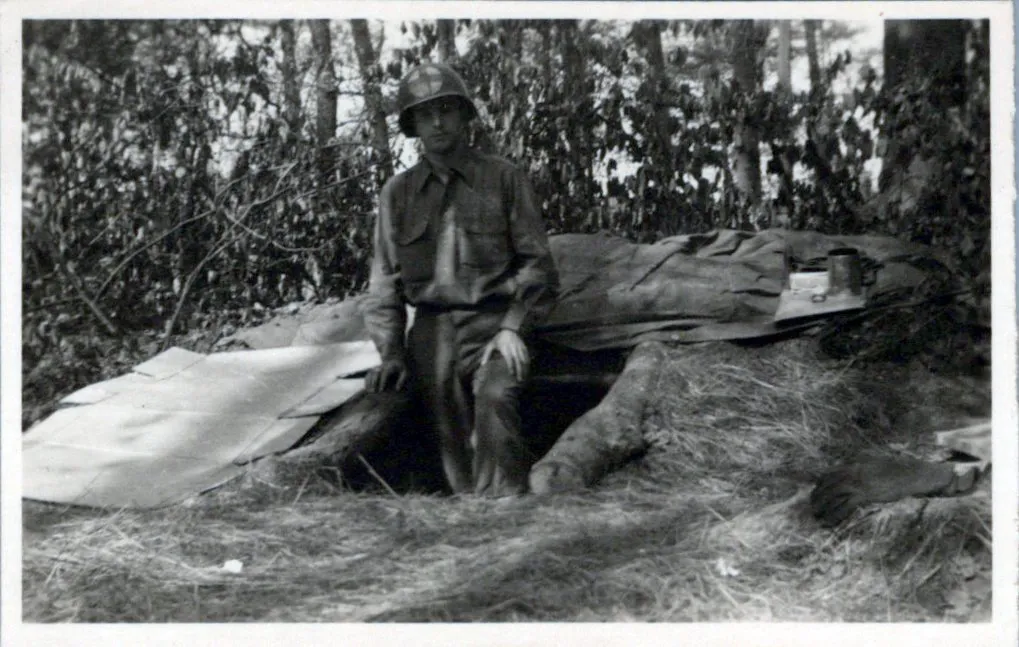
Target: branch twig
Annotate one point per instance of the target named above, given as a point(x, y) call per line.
point(83, 295)
point(168, 331)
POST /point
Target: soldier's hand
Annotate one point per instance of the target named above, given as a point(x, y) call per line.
point(876, 480)
point(513, 349)
point(390, 376)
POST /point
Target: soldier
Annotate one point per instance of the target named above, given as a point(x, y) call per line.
point(459, 236)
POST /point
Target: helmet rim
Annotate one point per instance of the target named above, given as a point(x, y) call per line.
point(452, 85)
point(407, 122)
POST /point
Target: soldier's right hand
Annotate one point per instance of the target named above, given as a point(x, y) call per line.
point(390, 376)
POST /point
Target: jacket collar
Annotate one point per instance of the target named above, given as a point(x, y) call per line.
point(461, 165)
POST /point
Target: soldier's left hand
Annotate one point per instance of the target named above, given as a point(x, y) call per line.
point(513, 349)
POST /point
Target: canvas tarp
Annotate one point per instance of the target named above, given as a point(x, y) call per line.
point(182, 423)
point(719, 285)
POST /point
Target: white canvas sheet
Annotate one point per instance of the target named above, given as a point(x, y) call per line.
point(182, 423)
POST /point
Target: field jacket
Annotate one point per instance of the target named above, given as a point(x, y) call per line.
point(501, 252)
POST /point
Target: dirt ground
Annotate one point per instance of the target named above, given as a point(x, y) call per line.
point(711, 524)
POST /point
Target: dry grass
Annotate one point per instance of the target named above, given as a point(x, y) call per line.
point(710, 525)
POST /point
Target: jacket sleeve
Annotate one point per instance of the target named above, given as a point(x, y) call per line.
point(536, 278)
point(385, 315)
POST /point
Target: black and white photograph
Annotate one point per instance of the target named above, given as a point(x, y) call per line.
point(509, 323)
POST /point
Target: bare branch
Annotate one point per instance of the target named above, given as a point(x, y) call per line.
point(76, 285)
point(186, 289)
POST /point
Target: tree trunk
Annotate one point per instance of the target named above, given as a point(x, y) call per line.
point(373, 99)
point(606, 436)
point(931, 50)
point(785, 197)
point(545, 52)
point(446, 34)
point(784, 58)
point(813, 65)
point(575, 102)
point(648, 38)
point(507, 105)
point(326, 90)
point(325, 95)
point(810, 28)
point(746, 40)
point(934, 50)
point(648, 35)
point(291, 85)
point(193, 236)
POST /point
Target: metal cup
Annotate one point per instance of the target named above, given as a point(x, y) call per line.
point(845, 271)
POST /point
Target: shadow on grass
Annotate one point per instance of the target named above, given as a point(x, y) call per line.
point(556, 578)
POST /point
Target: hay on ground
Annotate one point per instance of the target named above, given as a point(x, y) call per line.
point(711, 524)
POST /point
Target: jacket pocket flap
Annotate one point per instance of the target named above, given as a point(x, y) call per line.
point(412, 228)
point(485, 219)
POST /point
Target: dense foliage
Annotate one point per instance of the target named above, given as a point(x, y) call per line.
point(185, 175)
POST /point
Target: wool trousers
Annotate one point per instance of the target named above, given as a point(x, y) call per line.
point(474, 409)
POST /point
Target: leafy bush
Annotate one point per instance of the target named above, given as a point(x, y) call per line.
point(174, 183)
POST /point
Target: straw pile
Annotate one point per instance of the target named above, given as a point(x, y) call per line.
point(710, 524)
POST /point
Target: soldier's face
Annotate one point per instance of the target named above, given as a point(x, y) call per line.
point(440, 124)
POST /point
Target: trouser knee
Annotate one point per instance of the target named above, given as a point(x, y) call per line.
point(496, 388)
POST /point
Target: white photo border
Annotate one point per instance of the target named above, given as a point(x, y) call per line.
point(1003, 629)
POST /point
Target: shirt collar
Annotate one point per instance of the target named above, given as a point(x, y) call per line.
point(461, 165)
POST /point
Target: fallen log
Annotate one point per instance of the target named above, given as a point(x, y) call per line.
point(366, 422)
point(607, 435)
point(362, 424)
point(378, 426)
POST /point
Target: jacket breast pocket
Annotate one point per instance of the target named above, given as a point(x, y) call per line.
point(414, 249)
point(485, 236)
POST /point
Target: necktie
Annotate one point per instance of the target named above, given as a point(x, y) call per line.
point(445, 249)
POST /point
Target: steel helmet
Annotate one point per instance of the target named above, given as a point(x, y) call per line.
point(426, 82)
